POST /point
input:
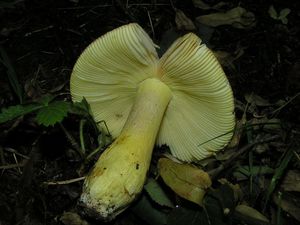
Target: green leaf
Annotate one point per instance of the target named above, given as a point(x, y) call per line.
point(53, 113)
point(157, 194)
point(46, 99)
point(272, 12)
point(284, 20)
point(80, 108)
point(13, 112)
point(284, 13)
point(146, 211)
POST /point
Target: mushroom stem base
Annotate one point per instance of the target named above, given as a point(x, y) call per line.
point(119, 175)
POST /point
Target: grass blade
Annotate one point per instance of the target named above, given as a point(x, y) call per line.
point(11, 74)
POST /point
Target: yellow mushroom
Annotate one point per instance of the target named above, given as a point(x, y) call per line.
point(182, 99)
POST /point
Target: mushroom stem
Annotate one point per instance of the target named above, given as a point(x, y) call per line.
point(119, 174)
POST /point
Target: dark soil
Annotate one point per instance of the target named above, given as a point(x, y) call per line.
point(43, 39)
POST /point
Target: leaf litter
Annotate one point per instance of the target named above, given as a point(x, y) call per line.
point(258, 47)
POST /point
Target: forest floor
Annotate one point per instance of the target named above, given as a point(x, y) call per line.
point(258, 46)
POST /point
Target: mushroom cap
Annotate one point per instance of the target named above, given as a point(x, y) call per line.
point(199, 119)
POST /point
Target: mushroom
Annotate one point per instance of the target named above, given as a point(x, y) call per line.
point(182, 99)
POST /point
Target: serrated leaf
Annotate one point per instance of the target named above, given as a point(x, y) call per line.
point(13, 112)
point(46, 99)
point(53, 113)
point(157, 194)
point(80, 108)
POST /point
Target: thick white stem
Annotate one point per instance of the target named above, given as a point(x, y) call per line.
point(119, 174)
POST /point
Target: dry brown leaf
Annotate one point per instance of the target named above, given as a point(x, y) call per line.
point(226, 59)
point(71, 218)
point(202, 5)
point(261, 148)
point(228, 153)
point(237, 17)
point(185, 180)
point(288, 204)
point(183, 22)
point(238, 132)
point(291, 181)
point(257, 100)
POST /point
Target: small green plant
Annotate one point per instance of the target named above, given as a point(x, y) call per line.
point(279, 16)
point(48, 111)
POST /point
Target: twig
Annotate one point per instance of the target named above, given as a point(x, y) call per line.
point(119, 5)
point(151, 24)
point(276, 111)
point(72, 141)
point(215, 172)
point(12, 166)
point(17, 162)
point(64, 181)
point(11, 150)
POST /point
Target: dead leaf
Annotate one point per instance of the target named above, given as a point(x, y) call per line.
point(226, 59)
point(261, 148)
point(273, 124)
point(289, 205)
point(257, 100)
point(183, 22)
point(185, 180)
point(291, 181)
point(227, 154)
point(202, 5)
point(238, 131)
point(237, 17)
point(237, 191)
point(71, 218)
point(251, 213)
